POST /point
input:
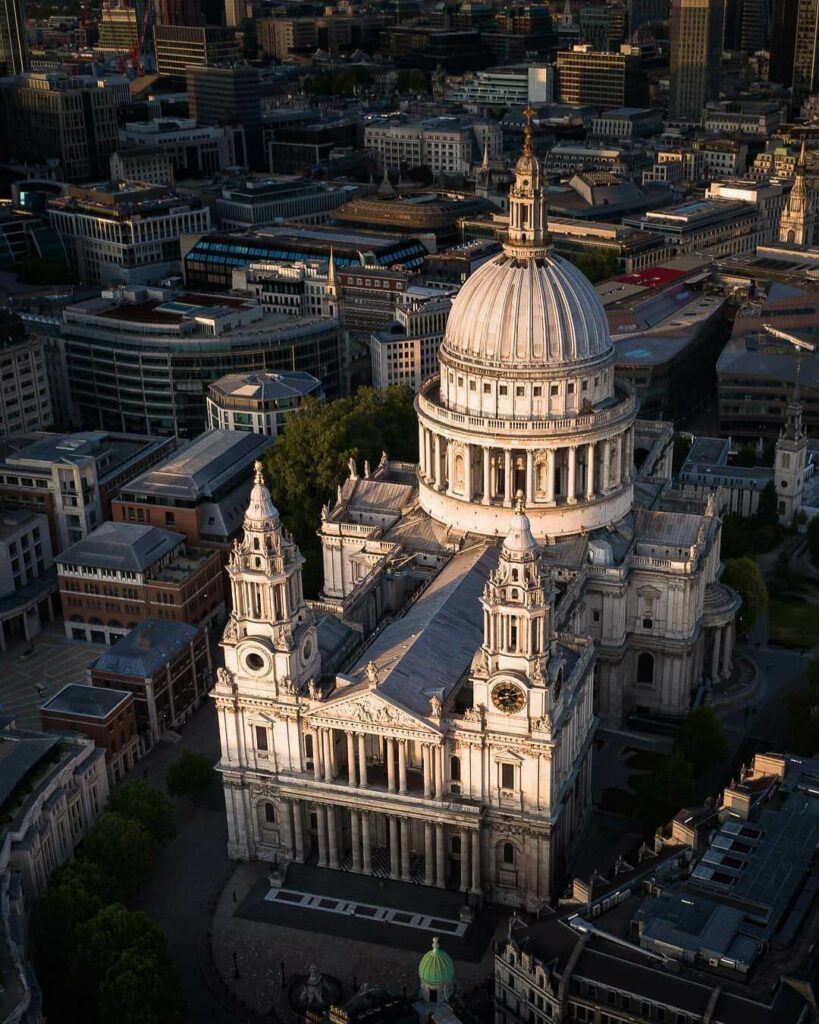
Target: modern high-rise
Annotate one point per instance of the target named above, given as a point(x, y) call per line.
point(783, 30)
point(588, 77)
point(229, 96)
point(179, 47)
point(805, 51)
point(64, 118)
point(696, 51)
point(643, 12)
point(13, 39)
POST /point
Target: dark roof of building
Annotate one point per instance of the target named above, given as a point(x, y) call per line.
point(19, 754)
point(147, 648)
point(86, 701)
point(132, 547)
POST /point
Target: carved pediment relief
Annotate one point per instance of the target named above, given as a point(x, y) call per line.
point(369, 709)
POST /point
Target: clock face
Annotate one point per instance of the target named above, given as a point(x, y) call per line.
point(508, 698)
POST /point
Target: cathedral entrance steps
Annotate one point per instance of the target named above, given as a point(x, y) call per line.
point(365, 908)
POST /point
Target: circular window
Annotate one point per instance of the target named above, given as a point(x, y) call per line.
point(255, 662)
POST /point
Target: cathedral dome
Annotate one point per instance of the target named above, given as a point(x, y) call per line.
point(525, 314)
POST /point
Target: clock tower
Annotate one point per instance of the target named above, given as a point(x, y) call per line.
point(517, 604)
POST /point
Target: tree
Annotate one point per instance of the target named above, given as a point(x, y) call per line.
point(149, 806)
point(813, 540)
point(597, 266)
point(189, 775)
point(411, 80)
point(768, 509)
point(141, 987)
point(308, 462)
point(123, 848)
point(744, 576)
point(100, 941)
point(803, 712)
point(701, 739)
point(746, 456)
point(665, 791)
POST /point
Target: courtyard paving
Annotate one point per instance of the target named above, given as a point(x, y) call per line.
point(27, 682)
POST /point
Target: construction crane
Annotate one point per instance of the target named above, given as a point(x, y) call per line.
point(135, 54)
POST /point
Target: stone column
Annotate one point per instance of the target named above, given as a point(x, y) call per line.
point(405, 850)
point(321, 822)
point(440, 853)
point(715, 656)
point(618, 459)
point(530, 479)
point(437, 466)
point(298, 831)
point(332, 835)
point(402, 766)
point(590, 471)
point(351, 772)
point(389, 753)
point(486, 477)
point(366, 850)
point(317, 752)
point(362, 759)
point(727, 650)
point(468, 472)
point(426, 754)
point(286, 833)
point(507, 479)
point(430, 456)
point(393, 846)
point(571, 484)
point(476, 860)
point(464, 886)
point(355, 840)
point(429, 854)
point(606, 465)
point(421, 449)
point(449, 462)
point(550, 475)
point(328, 759)
point(438, 754)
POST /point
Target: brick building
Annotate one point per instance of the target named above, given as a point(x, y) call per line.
point(123, 573)
point(105, 716)
point(166, 666)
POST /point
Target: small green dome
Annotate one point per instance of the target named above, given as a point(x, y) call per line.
point(436, 967)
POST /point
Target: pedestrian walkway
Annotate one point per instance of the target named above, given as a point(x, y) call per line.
point(366, 911)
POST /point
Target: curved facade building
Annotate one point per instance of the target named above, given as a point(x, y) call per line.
point(141, 360)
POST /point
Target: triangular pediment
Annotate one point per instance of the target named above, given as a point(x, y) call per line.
point(369, 708)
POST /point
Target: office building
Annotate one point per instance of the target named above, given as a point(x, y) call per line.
point(505, 87)
point(151, 165)
point(587, 77)
point(259, 402)
point(642, 12)
point(783, 33)
point(742, 117)
point(14, 52)
point(106, 717)
point(627, 123)
point(414, 212)
point(805, 52)
point(119, 30)
point(123, 573)
point(69, 121)
point(406, 351)
point(71, 478)
point(28, 583)
point(147, 356)
point(181, 46)
point(25, 401)
point(255, 202)
point(166, 669)
point(229, 96)
point(194, 150)
point(211, 262)
point(447, 145)
point(696, 54)
point(200, 490)
point(127, 233)
point(427, 47)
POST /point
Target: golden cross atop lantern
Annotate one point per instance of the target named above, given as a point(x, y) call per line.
point(528, 114)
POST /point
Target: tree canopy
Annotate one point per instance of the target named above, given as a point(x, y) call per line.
point(141, 987)
point(189, 775)
point(767, 511)
point(149, 806)
point(813, 540)
point(803, 712)
point(597, 266)
point(666, 790)
point(123, 848)
point(744, 576)
point(701, 739)
point(308, 462)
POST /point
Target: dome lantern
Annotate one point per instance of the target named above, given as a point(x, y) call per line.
point(436, 972)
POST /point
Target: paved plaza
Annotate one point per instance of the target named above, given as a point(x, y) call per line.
point(26, 682)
